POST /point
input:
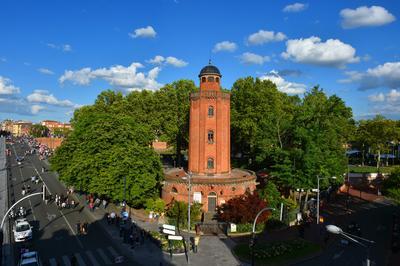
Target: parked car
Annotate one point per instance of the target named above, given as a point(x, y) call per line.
point(22, 230)
point(30, 258)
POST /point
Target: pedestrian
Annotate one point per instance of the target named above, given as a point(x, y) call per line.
point(91, 206)
point(73, 204)
point(113, 217)
point(43, 169)
point(104, 203)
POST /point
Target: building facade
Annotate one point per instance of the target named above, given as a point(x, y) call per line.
point(213, 182)
point(52, 125)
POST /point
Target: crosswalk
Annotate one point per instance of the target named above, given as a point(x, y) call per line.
point(96, 257)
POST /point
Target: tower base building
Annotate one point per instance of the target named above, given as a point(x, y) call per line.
point(213, 182)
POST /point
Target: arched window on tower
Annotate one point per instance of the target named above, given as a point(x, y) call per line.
point(174, 190)
point(210, 163)
point(210, 111)
point(210, 137)
point(203, 79)
point(217, 80)
point(210, 79)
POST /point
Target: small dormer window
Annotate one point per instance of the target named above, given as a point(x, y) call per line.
point(210, 111)
point(203, 79)
point(210, 79)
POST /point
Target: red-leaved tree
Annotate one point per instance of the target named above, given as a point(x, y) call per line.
point(243, 209)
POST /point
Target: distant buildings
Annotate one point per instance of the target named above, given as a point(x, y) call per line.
point(53, 125)
point(19, 128)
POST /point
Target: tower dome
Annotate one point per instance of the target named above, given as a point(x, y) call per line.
point(210, 70)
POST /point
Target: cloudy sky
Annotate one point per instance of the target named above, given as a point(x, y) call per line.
point(56, 56)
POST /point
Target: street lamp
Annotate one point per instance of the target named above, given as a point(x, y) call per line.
point(338, 231)
point(188, 177)
point(319, 178)
point(253, 234)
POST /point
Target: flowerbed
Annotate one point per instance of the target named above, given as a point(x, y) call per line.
point(277, 251)
point(162, 241)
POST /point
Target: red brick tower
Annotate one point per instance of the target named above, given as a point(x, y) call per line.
point(209, 132)
point(213, 182)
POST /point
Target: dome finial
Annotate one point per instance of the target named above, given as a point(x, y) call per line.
point(209, 61)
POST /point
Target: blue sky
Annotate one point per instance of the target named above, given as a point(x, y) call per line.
point(56, 56)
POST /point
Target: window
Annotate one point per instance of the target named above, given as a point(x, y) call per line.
point(174, 190)
point(210, 136)
point(203, 79)
point(217, 80)
point(210, 79)
point(210, 163)
point(210, 111)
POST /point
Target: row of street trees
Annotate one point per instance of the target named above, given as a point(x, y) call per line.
point(295, 138)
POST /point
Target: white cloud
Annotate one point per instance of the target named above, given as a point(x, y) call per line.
point(7, 88)
point(147, 32)
point(263, 36)
point(170, 60)
point(386, 75)
point(225, 46)
point(250, 58)
point(45, 71)
point(118, 76)
point(66, 48)
point(284, 85)
point(365, 17)
point(36, 108)
point(173, 61)
point(62, 47)
point(380, 97)
point(157, 60)
point(385, 104)
point(332, 53)
point(296, 7)
point(17, 105)
point(43, 96)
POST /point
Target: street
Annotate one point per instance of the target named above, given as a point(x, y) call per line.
point(54, 230)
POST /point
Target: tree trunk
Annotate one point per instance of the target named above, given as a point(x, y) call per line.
point(305, 201)
point(378, 161)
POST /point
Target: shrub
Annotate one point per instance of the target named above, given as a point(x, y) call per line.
point(156, 205)
point(177, 213)
point(243, 209)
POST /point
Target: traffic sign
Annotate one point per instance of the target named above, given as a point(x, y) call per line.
point(168, 232)
point(169, 227)
point(175, 237)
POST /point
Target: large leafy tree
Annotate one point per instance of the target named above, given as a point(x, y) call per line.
point(38, 131)
point(106, 147)
point(378, 133)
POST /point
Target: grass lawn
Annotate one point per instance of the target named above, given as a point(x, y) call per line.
point(370, 169)
point(277, 253)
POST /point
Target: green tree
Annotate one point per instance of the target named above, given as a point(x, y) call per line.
point(106, 147)
point(177, 213)
point(377, 133)
point(38, 131)
point(391, 185)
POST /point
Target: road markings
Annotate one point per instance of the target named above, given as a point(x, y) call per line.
point(23, 182)
point(79, 259)
point(103, 256)
point(91, 258)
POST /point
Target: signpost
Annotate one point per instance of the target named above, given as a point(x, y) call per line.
point(169, 227)
point(170, 237)
point(168, 232)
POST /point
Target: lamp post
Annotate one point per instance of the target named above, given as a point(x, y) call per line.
point(338, 231)
point(253, 234)
point(124, 203)
point(188, 177)
point(319, 178)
